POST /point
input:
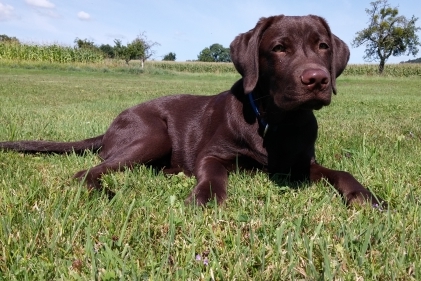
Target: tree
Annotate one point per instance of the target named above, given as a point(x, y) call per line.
point(387, 34)
point(169, 57)
point(139, 49)
point(133, 50)
point(121, 51)
point(108, 50)
point(205, 55)
point(147, 47)
point(84, 44)
point(5, 38)
point(215, 53)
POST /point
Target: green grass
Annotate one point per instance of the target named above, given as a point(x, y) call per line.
point(52, 229)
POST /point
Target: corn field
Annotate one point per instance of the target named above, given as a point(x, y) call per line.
point(48, 53)
point(194, 67)
point(395, 70)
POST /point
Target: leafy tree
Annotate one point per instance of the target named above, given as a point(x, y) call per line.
point(84, 44)
point(169, 57)
point(121, 51)
point(136, 49)
point(205, 55)
point(108, 50)
point(139, 49)
point(147, 47)
point(5, 38)
point(387, 34)
point(215, 53)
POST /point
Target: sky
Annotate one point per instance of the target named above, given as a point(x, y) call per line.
point(184, 27)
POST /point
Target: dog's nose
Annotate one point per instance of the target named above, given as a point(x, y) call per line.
point(315, 78)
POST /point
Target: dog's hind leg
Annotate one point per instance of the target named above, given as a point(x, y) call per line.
point(140, 151)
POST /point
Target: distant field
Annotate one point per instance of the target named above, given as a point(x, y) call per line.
point(395, 70)
point(57, 57)
point(52, 229)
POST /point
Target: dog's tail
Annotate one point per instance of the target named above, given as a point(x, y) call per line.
point(53, 147)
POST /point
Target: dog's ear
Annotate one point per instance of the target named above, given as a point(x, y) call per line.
point(245, 53)
point(340, 59)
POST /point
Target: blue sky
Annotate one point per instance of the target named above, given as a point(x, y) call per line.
point(184, 27)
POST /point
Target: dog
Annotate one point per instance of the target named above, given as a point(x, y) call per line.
point(288, 67)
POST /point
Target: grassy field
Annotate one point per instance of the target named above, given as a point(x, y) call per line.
point(52, 229)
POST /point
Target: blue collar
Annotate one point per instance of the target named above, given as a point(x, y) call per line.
point(262, 122)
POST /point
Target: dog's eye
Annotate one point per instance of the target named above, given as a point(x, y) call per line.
point(279, 48)
point(323, 46)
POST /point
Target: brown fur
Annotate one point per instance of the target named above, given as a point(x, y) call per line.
point(290, 65)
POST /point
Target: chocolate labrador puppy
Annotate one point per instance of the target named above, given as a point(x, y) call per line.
point(288, 66)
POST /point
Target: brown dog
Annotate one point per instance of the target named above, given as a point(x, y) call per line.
point(288, 66)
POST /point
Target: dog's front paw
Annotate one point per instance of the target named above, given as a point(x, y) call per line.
point(195, 200)
point(366, 197)
point(201, 197)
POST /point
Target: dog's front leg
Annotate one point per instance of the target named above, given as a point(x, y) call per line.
point(352, 191)
point(212, 178)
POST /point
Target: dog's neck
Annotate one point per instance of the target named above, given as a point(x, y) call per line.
point(255, 109)
point(252, 106)
point(259, 117)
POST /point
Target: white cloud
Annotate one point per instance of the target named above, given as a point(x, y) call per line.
point(48, 13)
point(40, 3)
point(44, 8)
point(83, 15)
point(6, 12)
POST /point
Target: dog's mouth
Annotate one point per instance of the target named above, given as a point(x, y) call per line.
point(303, 102)
point(314, 104)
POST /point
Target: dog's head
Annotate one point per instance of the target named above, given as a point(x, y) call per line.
point(295, 60)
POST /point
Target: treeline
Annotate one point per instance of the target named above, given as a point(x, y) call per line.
point(418, 60)
point(84, 50)
point(139, 49)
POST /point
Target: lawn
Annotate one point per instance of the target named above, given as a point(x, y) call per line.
point(51, 228)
